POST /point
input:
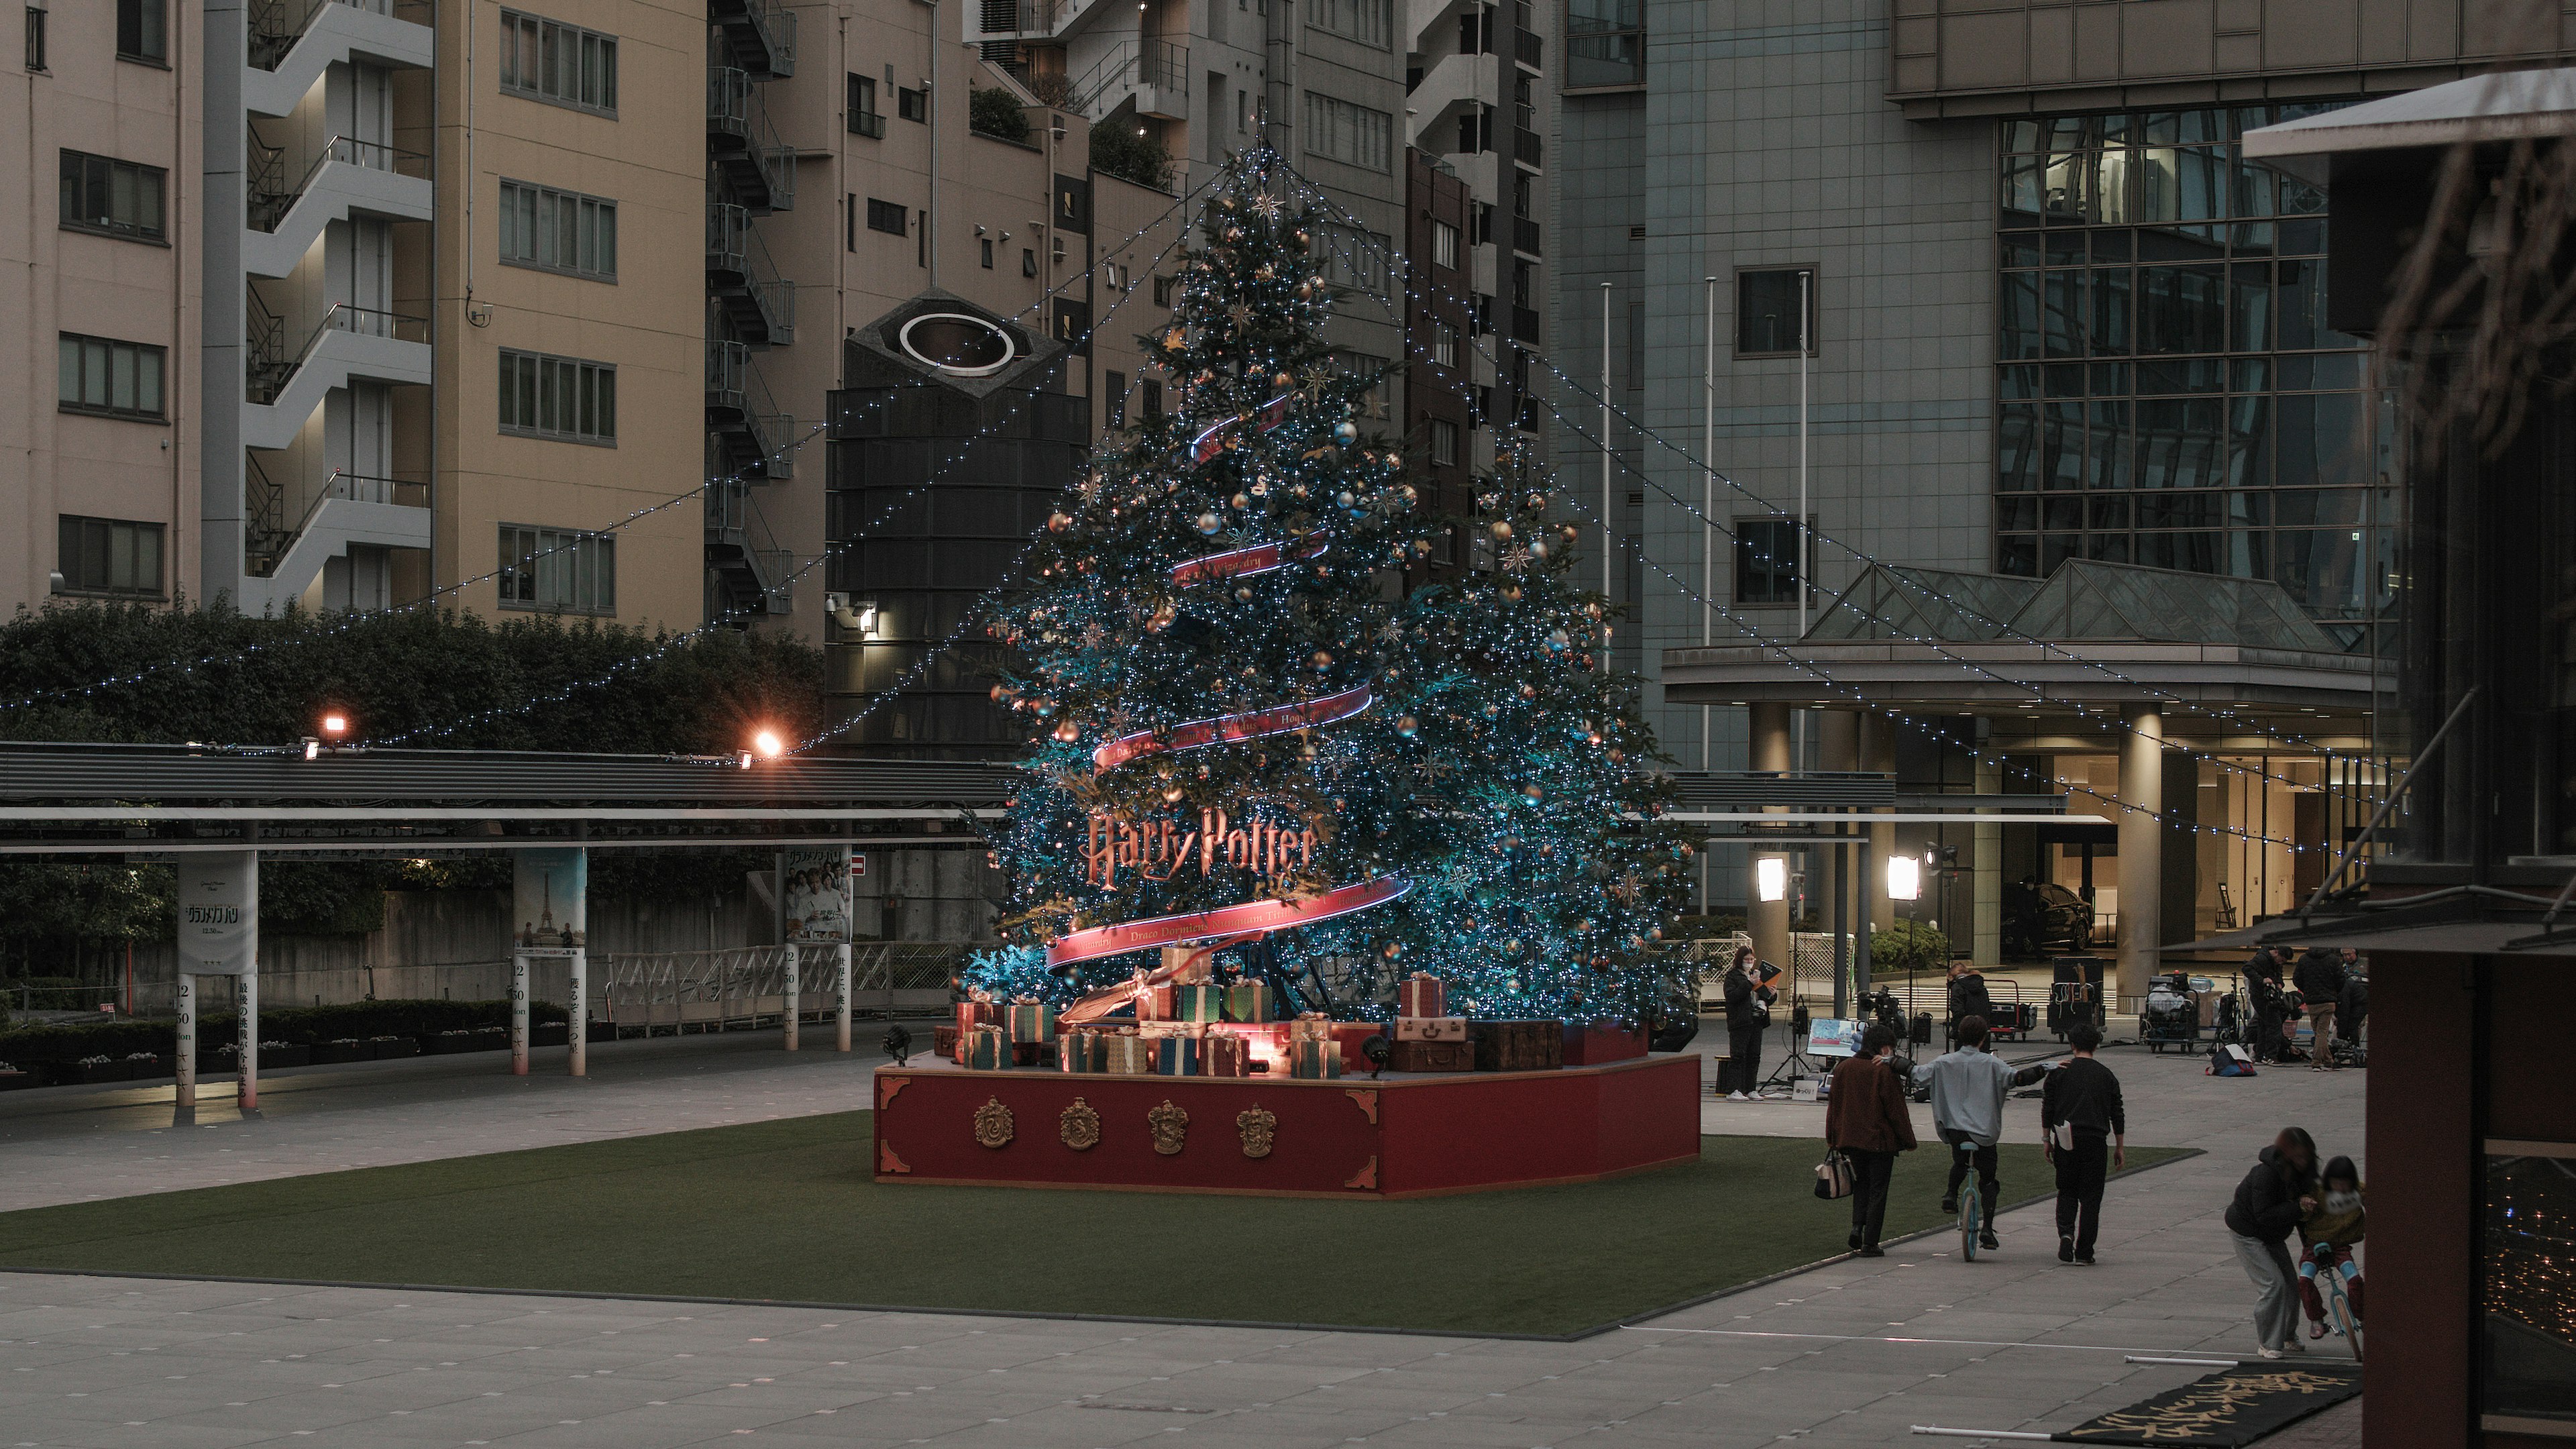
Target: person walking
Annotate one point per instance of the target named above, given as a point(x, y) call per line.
point(1866, 1119)
point(1968, 1090)
point(2263, 984)
point(1748, 1013)
point(1968, 997)
point(2320, 980)
point(2279, 1192)
point(2354, 1005)
point(2084, 1133)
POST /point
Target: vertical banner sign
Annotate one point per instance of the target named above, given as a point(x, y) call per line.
point(219, 913)
point(815, 898)
point(550, 915)
point(219, 936)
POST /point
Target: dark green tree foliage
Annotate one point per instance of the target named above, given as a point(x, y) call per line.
point(996, 112)
point(1121, 152)
point(1499, 773)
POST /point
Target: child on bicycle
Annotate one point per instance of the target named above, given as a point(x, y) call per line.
point(2327, 1236)
point(1968, 1090)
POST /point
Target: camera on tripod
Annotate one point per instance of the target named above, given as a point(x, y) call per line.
point(1880, 1008)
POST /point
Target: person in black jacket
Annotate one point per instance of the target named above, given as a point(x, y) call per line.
point(2268, 1204)
point(1748, 1012)
point(2354, 1004)
point(2320, 979)
point(2263, 987)
point(1968, 997)
point(2084, 1132)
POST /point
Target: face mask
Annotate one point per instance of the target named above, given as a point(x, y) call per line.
point(2343, 1202)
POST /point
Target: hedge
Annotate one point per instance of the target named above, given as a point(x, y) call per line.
point(295, 1025)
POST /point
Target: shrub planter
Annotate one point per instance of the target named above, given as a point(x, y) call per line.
point(76, 1074)
point(331, 1053)
point(379, 1048)
point(12, 1081)
point(273, 1055)
point(548, 1034)
point(148, 1068)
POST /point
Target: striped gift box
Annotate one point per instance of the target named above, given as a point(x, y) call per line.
point(1126, 1056)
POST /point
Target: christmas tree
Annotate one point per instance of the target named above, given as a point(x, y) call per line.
point(1246, 730)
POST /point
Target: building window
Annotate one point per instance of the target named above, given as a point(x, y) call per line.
point(1164, 287)
point(558, 569)
point(1766, 560)
point(1444, 245)
point(1767, 321)
point(1353, 135)
point(1073, 325)
point(1605, 43)
point(1444, 345)
point(1153, 397)
point(109, 556)
point(912, 105)
point(1114, 394)
point(560, 231)
point(35, 37)
point(558, 397)
point(563, 64)
point(887, 217)
point(1028, 261)
point(1354, 258)
point(111, 379)
point(1444, 443)
point(2168, 391)
point(1370, 22)
point(985, 246)
point(111, 197)
point(2526, 1371)
point(143, 31)
point(862, 106)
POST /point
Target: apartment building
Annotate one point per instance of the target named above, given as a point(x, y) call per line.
point(101, 403)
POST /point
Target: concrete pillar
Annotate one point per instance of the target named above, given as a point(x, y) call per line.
point(789, 1031)
point(2142, 796)
point(187, 1063)
point(1986, 870)
point(1768, 921)
point(1838, 752)
point(518, 1014)
point(246, 1092)
point(841, 993)
point(577, 1012)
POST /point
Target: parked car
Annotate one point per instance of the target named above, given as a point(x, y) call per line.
point(2038, 915)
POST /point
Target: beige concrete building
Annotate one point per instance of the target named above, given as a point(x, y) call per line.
point(100, 399)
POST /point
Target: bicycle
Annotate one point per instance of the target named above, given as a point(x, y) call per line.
point(1972, 1204)
point(2330, 1279)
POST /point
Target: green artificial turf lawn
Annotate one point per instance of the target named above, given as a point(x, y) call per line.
point(787, 1210)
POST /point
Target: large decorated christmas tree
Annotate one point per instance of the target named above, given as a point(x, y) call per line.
point(1247, 732)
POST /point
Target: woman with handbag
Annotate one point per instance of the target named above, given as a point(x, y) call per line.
point(1866, 1120)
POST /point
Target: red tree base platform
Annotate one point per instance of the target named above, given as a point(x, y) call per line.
point(1399, 1137)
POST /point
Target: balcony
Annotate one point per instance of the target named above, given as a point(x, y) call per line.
point(349, 508)
point(1155, 72)
point(1525, 325)
point(1525, 236)
point(1526, 48)
point(744, 421)
point(753, 574)
point(757, 36)
point(995, 20)
point(293, 41)
point(346, 178)
point(349, 344)
point(744, 283)
point(758, 170)
point(1525, 147)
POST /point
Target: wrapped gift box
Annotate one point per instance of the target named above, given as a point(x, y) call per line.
point(943, 1042)
point(1590, 1043)
point(1156, 1003)
point(1171, 1028)
point(1518, 1046)
point(1247, 1001)
point(1432, 1056)
point(1176, 1056)
point(1431, 1028)
point(1420, 994)
point(1126, 1056)
point(1198, 1002)
point(1314, 1059)
point(1189, 965)
point(1310, 1026)
point(988, 1049)
point(1031, 1020)
point(1265, 1042)
point(1081, 1051)
point(1225, 1056)
point(981, 1012)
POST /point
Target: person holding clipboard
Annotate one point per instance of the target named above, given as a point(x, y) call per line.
point(2085, 1132)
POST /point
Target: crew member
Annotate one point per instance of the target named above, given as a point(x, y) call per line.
point(1748, 1012)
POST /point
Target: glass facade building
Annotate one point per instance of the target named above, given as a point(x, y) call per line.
point(2168, 391)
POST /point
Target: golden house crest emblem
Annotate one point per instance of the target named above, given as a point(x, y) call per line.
point(993, 1125)
point(1170, 1126)
point(1259, 1127)
point(1079, 1126)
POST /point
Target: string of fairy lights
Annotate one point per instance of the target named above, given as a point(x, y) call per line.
point(2107, 718)
point(1960, 607)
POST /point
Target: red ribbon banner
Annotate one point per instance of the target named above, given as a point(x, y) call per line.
point(1249, 919)
point(1225, 729)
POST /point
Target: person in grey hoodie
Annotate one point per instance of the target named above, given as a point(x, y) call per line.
point(1968, 1090)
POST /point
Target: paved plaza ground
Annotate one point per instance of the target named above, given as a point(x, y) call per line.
point(1848, 1353)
